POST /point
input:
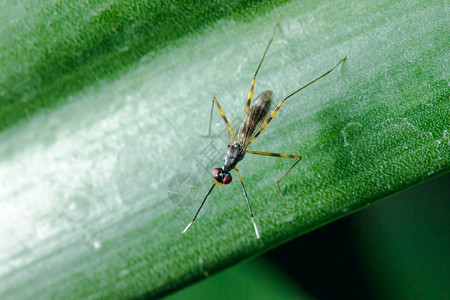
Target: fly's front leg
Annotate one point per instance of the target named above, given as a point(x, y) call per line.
point(248, 204)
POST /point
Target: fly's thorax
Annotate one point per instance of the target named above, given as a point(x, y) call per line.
point(233, 156)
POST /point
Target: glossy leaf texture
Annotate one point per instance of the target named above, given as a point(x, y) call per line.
point(102, 153)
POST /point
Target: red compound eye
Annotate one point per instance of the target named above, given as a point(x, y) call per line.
point(227, 179)
point(216, 172)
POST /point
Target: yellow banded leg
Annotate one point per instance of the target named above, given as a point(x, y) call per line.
point(250, 92)
point(298, 157)
point(275, 110)
point(250, 95)
point(223, 117)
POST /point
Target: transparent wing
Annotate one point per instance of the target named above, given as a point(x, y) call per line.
point(254, 118)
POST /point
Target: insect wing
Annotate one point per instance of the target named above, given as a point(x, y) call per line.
point(254, 118)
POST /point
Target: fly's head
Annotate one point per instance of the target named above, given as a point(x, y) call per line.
point(221, 177)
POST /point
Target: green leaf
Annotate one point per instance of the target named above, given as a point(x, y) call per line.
point(117, 97)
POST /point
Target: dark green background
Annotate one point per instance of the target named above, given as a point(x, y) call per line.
point(101, 104)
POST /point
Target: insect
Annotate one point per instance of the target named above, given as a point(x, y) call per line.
point(256, 118)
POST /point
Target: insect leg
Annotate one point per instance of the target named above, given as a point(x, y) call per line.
point(298, 157)
point(250, 92)
point(275, 110)
point(195, 217)
point(248, 204)
point(223, 117)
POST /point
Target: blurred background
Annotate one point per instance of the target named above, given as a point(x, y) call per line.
point(395, 249)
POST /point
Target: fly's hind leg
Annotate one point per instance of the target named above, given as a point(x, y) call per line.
point(298, 157)
point(227, 124)
point(252, 85)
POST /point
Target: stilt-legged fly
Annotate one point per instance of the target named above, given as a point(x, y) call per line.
point(256, 118)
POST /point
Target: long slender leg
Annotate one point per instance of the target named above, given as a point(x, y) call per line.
point(275, 110)
point(250, 92)
point(248, 204)
point(298, 157)
point(223, 117)
point(195, 217)
point(210, 118)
